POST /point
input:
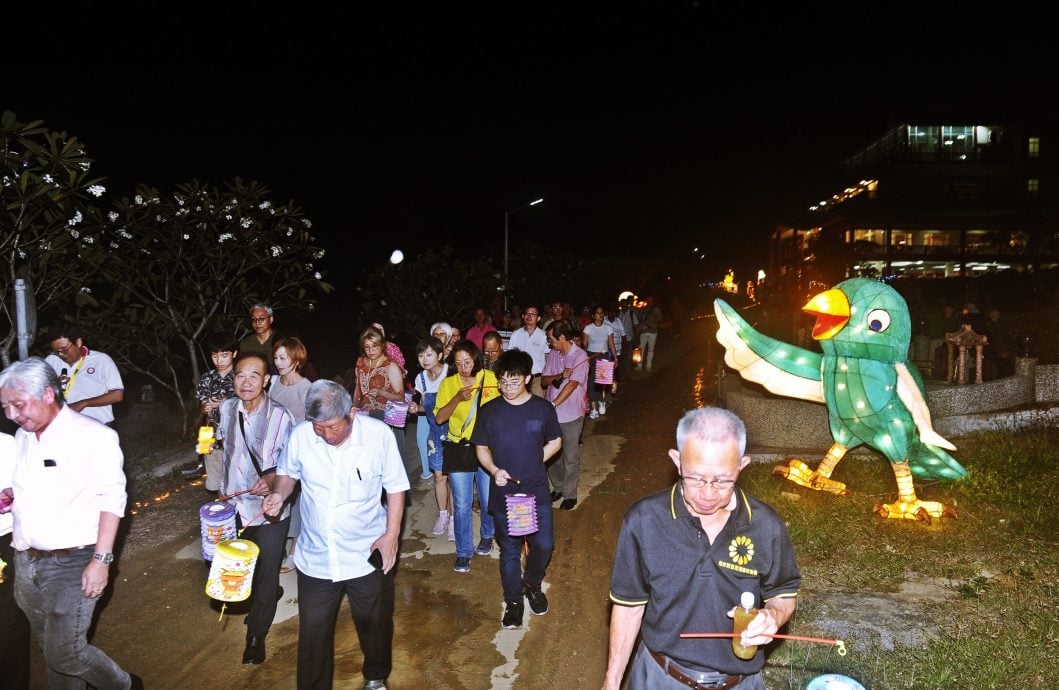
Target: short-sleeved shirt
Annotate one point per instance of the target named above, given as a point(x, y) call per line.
point(516, 435)
point(535, 344)
point(574, 406)
point(448, 389)
point(292, 397)
point(92, 375)
point(214, 386)
point(341, 487)
point(665, 561)
point(7, 470)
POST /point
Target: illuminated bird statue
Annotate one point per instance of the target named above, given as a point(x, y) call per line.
point(873, 394)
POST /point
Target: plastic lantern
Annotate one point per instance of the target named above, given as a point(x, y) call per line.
point(232, 571)
point(874, 395)
point(205, 440)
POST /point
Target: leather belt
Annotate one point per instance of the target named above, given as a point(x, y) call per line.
point(723, 682)
point(37, 553)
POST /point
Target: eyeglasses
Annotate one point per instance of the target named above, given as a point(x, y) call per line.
point(531, 313)
point(510, 385)
point(698, 483)
point(61, 352)
point(491, 352)
point(258, 319)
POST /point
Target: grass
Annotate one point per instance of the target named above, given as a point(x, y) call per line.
point(998, 625)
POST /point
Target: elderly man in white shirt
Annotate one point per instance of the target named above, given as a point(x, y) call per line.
point(14, 633)
point(348, 545)
point(533, 341)
point(68, 497)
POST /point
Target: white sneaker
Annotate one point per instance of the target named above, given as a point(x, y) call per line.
point(593, 415)
point(603, 408)
point(442, 523)
point(452, 530)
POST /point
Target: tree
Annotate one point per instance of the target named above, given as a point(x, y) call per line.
point(45, 236)
point(187, 265)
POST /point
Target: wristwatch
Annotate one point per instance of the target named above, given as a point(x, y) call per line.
point(104, 558)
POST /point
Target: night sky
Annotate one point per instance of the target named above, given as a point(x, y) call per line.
point(662, 126)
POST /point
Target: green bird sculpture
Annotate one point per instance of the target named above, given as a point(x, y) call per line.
point(873, 394)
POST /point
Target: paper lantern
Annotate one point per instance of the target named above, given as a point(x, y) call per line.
point(206, 440)
point(833, 681)
point(395, 413)
point(604, 371)
point(521, 514)
point(637, 355)
point(216, 524)
point(232, 572)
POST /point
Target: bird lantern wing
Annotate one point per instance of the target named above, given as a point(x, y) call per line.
point(909, 393)
point(781, 368)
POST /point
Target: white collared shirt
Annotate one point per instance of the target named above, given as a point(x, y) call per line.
point(64, 480)
point(95, 375)
point(341, 495)
point(535, 344)
point(7, 469)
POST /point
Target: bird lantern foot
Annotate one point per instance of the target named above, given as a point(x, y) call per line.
point(801, 474)
point(923, 511)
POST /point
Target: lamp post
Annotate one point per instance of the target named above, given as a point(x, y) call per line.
point(506, 214)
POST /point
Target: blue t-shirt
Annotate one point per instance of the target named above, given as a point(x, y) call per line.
point(516, 435)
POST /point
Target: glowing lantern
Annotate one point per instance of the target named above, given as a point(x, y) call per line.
point(206, 440)
point(874, 395)
point(637, 355)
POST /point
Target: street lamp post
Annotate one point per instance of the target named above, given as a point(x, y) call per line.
point(506, 214)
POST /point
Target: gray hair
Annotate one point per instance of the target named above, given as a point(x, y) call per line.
point(443, 326)
point(711, 425)
point(32, 376)
point(327, 400)
point(261, 305)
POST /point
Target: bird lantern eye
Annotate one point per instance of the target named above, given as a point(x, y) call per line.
point(878, 320)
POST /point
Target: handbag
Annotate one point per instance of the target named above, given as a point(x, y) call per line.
point(462, 455)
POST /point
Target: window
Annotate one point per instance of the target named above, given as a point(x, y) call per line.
point(901, 238)
point(957, 142)
point(1034, 147)
point(922, 141)
point(1033, 186)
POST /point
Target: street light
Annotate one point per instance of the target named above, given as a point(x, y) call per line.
point(506, 214)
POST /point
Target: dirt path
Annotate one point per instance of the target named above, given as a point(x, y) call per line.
point(158, 622)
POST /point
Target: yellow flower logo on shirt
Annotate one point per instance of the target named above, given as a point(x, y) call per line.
point(741, 550)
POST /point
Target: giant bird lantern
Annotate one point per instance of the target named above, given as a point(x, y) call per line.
point(874, 395)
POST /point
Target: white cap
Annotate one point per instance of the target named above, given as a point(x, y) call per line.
point(746, 600)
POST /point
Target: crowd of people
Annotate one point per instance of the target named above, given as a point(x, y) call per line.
point(316, 471)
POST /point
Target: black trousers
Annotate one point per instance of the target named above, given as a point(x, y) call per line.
point(370, 602)
point(271, 539)
point(14, 627)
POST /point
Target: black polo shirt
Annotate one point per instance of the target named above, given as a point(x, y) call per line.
point(665, 562)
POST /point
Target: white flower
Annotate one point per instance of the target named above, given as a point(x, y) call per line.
point(7, 181)
point(307, 222)
point(21, 254)
point(89, 239)
point(311, 306)
point(47, 178)
point(225, 236)
point(276, 251)
point(246, 222)
point(84, 166)
point(113, 245)
point(187, 236)
point(272, 212)
point(74, 234)
point(97, 190)
point(227, 216)
point(180, 201)
point(319, 254)
point(87, 290)
point(113, 216)
point(76, 219)
point(317, 275)
point(138, 200)
point(45, 246)
point(308, 267)
point(264, 204)
point(124, 233)
point(290, 231)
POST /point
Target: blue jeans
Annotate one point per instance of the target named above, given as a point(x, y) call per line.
point(422, 432)
point(541, 543)
point(49, 591)
point(462, 486)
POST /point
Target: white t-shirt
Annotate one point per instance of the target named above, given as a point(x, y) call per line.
point(597, 337)
point(93, 375)
point(423, 383)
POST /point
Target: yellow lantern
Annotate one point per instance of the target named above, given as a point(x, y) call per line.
point(206, 440)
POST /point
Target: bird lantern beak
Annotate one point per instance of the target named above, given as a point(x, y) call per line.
point(831, 309)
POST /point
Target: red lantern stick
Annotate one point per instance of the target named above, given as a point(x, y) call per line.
point(840, 644)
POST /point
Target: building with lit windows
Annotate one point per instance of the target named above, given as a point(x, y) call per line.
point(931, 201)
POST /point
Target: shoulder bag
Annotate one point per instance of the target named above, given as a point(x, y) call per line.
point(462, 455)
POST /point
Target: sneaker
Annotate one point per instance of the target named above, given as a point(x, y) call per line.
point(452, 530)
point(442, 522)
point(374, 685)
point(513, 614)
point(593, 415)
point(463, 564)
point(603, 408)
point(537, 601)
point(485, 546)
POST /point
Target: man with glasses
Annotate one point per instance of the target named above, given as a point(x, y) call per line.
point(492, 348)
point(685, 555)
point(90, 380)
point(516, 462)
point(534, 342)
point(260, 338)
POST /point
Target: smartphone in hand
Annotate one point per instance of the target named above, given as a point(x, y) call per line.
point(376, 559)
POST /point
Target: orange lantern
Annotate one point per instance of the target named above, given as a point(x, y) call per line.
point(637, 355)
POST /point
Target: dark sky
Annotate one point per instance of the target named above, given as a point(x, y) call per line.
point(661, 126)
